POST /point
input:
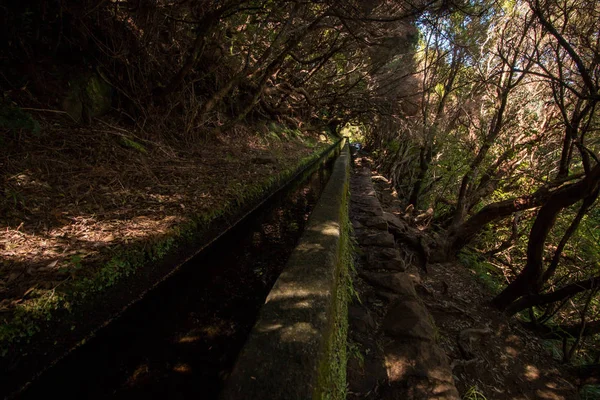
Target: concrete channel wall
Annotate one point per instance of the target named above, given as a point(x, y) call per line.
point(297, 347)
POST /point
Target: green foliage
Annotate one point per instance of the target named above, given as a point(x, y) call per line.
point(590, 392)
point(14, 119)
point(355, 132)
point(554, 348)
point(473, 393)
point(132, 144)
point(483, 270)
point(88, 96)
point(354, 351)
point(393, 146)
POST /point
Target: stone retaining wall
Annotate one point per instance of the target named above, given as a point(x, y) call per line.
point(297, 348)
point(396, 335)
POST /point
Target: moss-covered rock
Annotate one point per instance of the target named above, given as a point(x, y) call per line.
point(88, 96)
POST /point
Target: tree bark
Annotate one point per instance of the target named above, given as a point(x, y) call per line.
point(553, 297)
point(203, 27)
point(425, 157)
point(530, 280)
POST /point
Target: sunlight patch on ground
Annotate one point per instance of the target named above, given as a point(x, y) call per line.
point(532, 373)
point(302, 332)
point(511, 351)
point(327, 229)
point(189, 339)
point(139, 372)
point(183, 368)
point(64, 215)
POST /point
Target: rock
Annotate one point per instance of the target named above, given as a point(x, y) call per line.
point(99, 96)
point(370, 192)
point(390, 265)
point(357, 225)
point(419, 388)
point(408, 318)
point(381, 239)
point(88, 96)
point(371, 211)
point(389, 297)
point(374, 222)
point(365, 201)
point(360, 319)
point(418, 371)
point(398, 283)
point(380, 261)
point(413, 274)
point(379, 254)
point(364, 375)
point(395, 224)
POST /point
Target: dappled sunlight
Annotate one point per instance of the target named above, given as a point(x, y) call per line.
point(65, 218)
point(141, 371)
point(329, 228)
point(303, 304)
point(398, 367)
point(531, 372)
point(183, 368)
point(510, 363)
point(189, 339)
point(511, 351)
point(309, 247)
point(69, 245)
point(291, 292)
point(300, 332)
point(269, 327)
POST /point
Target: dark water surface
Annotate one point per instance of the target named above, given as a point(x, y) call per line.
point(182, 339)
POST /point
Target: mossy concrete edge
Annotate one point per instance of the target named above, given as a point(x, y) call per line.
point(296, 349)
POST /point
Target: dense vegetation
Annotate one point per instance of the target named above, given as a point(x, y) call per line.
point(483, 112)
point(504, 151)
point(197, 68)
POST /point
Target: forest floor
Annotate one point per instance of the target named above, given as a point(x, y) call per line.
point(491, 356)
point(70, 199)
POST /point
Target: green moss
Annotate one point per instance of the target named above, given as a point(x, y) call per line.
point(88, 96)
point(331, 382)
point(590, 392)
point(98, 94)
point(132, 144)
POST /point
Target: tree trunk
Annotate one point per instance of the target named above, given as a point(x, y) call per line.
point(530, 280)
point(553, 297)
point(425, 156)
point(203, 27)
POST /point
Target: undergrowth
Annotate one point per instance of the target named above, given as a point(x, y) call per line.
point(30, 318)
point(590, 392)
point(473, 393)
point(483, 270)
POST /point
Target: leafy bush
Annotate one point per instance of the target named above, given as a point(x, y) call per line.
point(14, 119)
